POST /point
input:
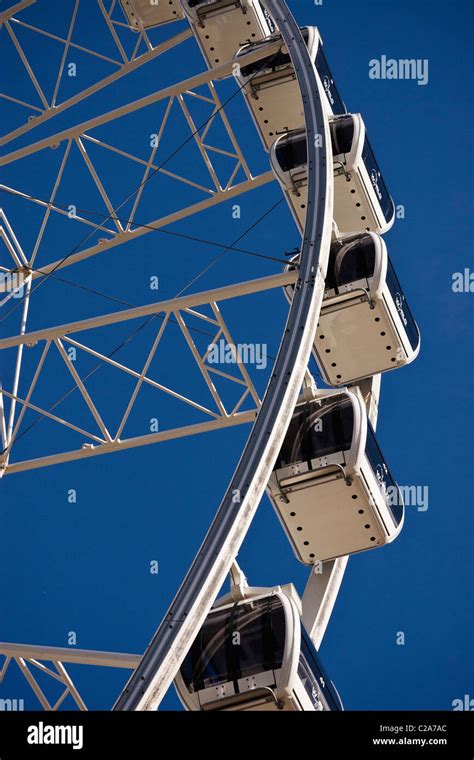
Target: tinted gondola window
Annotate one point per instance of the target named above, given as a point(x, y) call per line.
point(402, 306)
point(273, 62)
point(269, 62)
point(377, 181)
point(206, 662)
point(355, 261)
point(342, 134)
point(262, 637)
point(215, 657)
point(329, 86)
point(331, 282)
point(387, 485)
point(292, 153)
point(318, 431)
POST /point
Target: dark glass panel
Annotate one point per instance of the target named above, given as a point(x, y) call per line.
point(291, 153)
point(342, 134)
point(354, 261)
point(317, 431)
point(246, 640)
point(272, 62)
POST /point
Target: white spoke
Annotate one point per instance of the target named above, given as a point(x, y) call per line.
point(27, 66)
point(82, 389)
point(50, 204)
point(142, 376)
point(65, 52)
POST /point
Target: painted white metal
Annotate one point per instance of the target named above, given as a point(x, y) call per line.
point(341, 505)
point(222, 26)
point(30, 659)
point(191, 83)
point(123, 70)
point(219, 191)
point(325, 578)
point(187, 613)
point(102, 441)
point(16, 377)
point(89, 450)
point(66, 654)
point(275, 696)
point(117, 239)
point(160, 307)
point(337, 565)
point(356, 194)
point(272, 92)
point(361, 331)
point(281, 689)
point(146, 14)
point(362, 328)
point(221, 185)
point(14, 9)
point(320, 594)
point(370, 390)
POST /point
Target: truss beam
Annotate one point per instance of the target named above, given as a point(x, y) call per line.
point(176, 89)
point(224, 293)
point(32, 658)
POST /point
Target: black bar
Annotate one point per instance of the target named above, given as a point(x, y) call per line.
point(159, 734)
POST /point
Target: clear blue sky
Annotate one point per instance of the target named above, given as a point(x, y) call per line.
point(84, 567)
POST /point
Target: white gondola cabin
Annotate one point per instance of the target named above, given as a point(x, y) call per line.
point(331, 487)
point(221, 27)
point(255, 655)
point(144, 14)
point(365, 324)
point(361, 199)
point(271, 89)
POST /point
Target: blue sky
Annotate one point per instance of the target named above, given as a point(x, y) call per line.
point(84, 567)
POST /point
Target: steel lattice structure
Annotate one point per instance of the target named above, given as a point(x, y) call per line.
point(155, 670)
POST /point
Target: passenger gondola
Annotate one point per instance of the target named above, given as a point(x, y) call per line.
point(365, 324)
point(361, 199)
point(256, 655)
point(331, 486)
point(221, 27)
point(271, 89)
point(144, 14)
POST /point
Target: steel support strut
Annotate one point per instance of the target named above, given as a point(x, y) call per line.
point(173, 638)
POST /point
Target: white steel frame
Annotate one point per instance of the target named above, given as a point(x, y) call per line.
point(322, 589)
point(219, 189)
point(28, 658)
point(124, 64)
point(178, 308)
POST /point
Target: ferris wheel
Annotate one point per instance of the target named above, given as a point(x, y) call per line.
point(312, 450)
